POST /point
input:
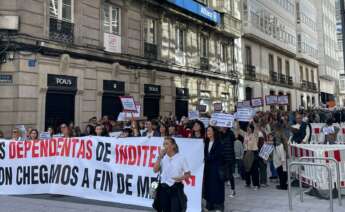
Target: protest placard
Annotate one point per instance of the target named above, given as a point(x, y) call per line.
point(125, 116)
point(257, 102)
point(217, 107)
point(328, 130)
point(128, 104)
point(283, 100)
point(271, 100)
point(222, 120)
point(201, 108)
point(265, 151)
point(100, 168)
point(44, 135)
point(193, 115)
point(245, 114)
point(246, 103)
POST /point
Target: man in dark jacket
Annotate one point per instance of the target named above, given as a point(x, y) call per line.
point(228, 141)
point(301, 132)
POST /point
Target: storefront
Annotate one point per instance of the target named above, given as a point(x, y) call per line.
point(60, 100)
point(152, 100)
point(111, 103)
point(181, 102)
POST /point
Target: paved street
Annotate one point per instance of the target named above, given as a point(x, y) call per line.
point(247, 200)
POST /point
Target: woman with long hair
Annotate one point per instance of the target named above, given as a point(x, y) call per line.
point(174, 169)
point(198, 130)
point(33, 135)
point(214, 190)
point(101, 131)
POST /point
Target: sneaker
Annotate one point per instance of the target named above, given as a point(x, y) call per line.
point(232, 193)
point(255, 188)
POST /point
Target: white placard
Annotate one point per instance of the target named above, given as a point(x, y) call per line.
point(193, 115)
point(125, 116)
point(128, 104)
point(283, 100)
point(112, 43)
point(271, 100)
point(44, 135)
point(257, 102)
point(246, 103)
point(328, 130)
point(245, 114)
point(222, 120)
point(265, 151)
point(115, 134)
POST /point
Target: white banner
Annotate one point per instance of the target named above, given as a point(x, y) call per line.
point(128, 104)
point(100, 168)
point(271, 100)
point(112, 43)
point(257, 102)
point(222, 120)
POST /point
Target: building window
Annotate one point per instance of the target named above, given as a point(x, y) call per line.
point(61, 26)
point(312, 75)
point(279, 64)
point(248, 55)
point(249, 93)
point(205, 97)
point(223, 53)
point(287, 68)
point(307, 74)
point(61, 10)
point(180, 39)
point(111, 19)
point(150, 31)
point(313, 101)
point(289, 105)
point(225, 101)
point(204, 46)
point(302, 101)
point(271, 63)
point(301, 73)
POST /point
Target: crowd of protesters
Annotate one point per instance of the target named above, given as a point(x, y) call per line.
point(228, 154)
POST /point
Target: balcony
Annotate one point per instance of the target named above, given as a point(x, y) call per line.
point(61, 31)
point(204, 63)
point(249, 72)
point(304, 84)
point(274, 76)
point(282, 78)
point(290, 82)
point(312, 86)
point(231, 25)
point(150, 51)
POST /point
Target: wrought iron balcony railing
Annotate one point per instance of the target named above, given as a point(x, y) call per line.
point(150, 51)
point(61, 31)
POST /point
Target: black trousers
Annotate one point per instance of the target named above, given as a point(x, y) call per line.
point(253, 174)
point(169, 198)
point(282, 177)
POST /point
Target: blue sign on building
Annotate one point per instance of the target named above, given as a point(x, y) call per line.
point(198, 9)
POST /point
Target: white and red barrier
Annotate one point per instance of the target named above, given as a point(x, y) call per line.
point(317, 176)
point(317, 136)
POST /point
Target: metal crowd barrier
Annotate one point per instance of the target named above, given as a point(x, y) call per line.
point(337, 170)
point(299, 164)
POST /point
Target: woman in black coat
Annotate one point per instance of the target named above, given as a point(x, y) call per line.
point(214, 190)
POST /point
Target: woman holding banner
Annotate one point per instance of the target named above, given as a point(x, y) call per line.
point(174, 169)
point(33, 135)
point(214, 190)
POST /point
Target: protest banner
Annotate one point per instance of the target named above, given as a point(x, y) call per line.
point(265, 151)
point(222, 120)
point(257, 102)
point(245, 114)
point(283, 100)
point(192, 115)
point(217, 107)
point(246, 103)
point(128, 104)
point(101, 168)
point(271, 100)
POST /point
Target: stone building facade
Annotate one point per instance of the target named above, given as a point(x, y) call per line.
point(71, 59)
point(274, 61)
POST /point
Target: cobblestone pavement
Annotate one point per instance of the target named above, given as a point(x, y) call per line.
point(246, 200)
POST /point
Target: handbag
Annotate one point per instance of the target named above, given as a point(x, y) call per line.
point(154, 186)
point(248, 160)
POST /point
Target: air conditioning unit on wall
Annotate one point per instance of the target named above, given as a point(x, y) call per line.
point(9, 22)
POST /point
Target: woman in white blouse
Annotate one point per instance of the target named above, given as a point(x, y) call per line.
point(174, 169)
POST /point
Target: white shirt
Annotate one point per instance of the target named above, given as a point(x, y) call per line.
point(172, 167)
point(210, 145)
point(279, 157)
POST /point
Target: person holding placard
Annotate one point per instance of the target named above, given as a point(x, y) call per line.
point(330, 132)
